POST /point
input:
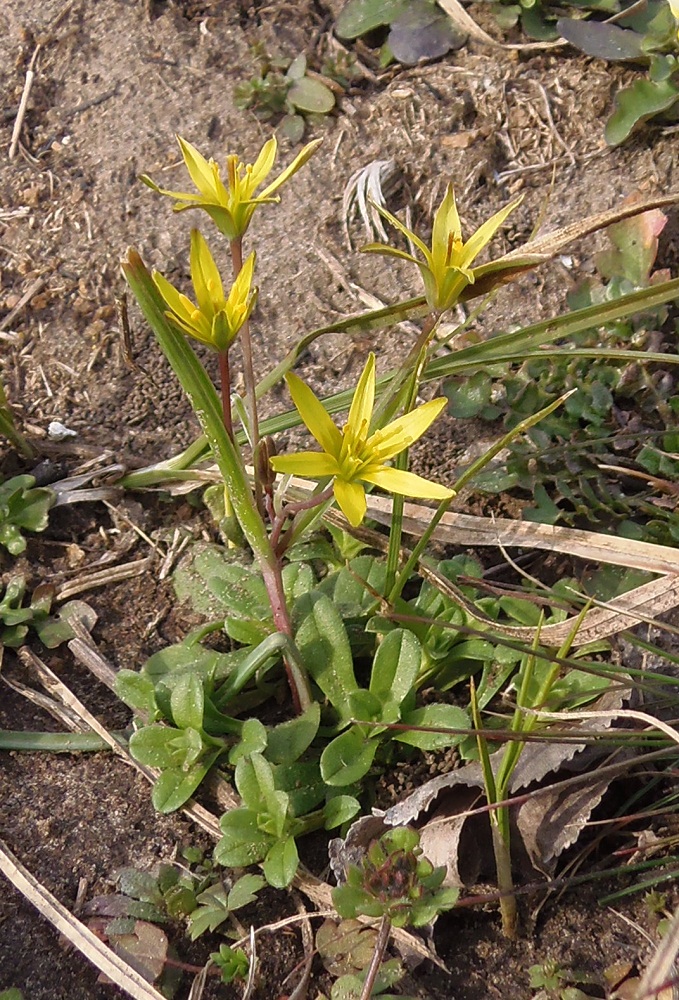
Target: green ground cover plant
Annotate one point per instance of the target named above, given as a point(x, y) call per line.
point(356, 649)
point(643, 35)
point(378, 652)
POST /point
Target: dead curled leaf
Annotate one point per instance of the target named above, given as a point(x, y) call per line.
point(454, 825)
point(345, 946)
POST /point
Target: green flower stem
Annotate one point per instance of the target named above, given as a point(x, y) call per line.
point(414, 362)
point(206, 405)
point(401, 462)
point(225, 380)
point(246, 345)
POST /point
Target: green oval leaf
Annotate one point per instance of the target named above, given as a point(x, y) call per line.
point(187, 701)
point(323, 644)
point(438, 716)
point(281, 863)
point(636, 104)
point(360, 16)
point(311, 95)
point(243, 842)
point(347, 758)
point(396, 666)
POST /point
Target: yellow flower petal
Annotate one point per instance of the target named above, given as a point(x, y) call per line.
point(407, 484)
point(263, 165)
point(360, 412)
point(312, 464)
point(205, 275)
point(178, 303)
point(388, 251)
point(408, 233)
point(351, 499)
point(204, 174)
point(485, 233)
point(446, 224)
point(314, 415)
point(305, 153)
point(400, 433)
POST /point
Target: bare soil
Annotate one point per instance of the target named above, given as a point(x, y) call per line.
point(114, 81)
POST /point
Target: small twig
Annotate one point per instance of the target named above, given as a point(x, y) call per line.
point(103, 578)
point(21, 113)
point(85, 105)
point(378, 954)
point(32, 290)
point(250, 984)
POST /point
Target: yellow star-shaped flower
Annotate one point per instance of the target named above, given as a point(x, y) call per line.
point(216, 319)
point(353, 456)
point(231, 205)
point(447, 268)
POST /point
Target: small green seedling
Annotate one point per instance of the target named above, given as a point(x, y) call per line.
point(17, 617)
point(23, 507)
point(8, 427)
point(286, 90)
point(233, 963)
point(394, 880)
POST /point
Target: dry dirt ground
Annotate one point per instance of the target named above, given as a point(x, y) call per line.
point(115, 79)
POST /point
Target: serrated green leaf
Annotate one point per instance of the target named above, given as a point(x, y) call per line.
point(244, 891)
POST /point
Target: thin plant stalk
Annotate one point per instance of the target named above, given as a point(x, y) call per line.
point(205, 402)
point(503, 861)
point(246, 346)
point(381, 943)
point(401, 462)
point(225, 385)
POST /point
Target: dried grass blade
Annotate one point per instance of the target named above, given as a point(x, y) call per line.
point(80, 936)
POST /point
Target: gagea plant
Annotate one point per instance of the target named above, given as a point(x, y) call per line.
point(313, 610)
